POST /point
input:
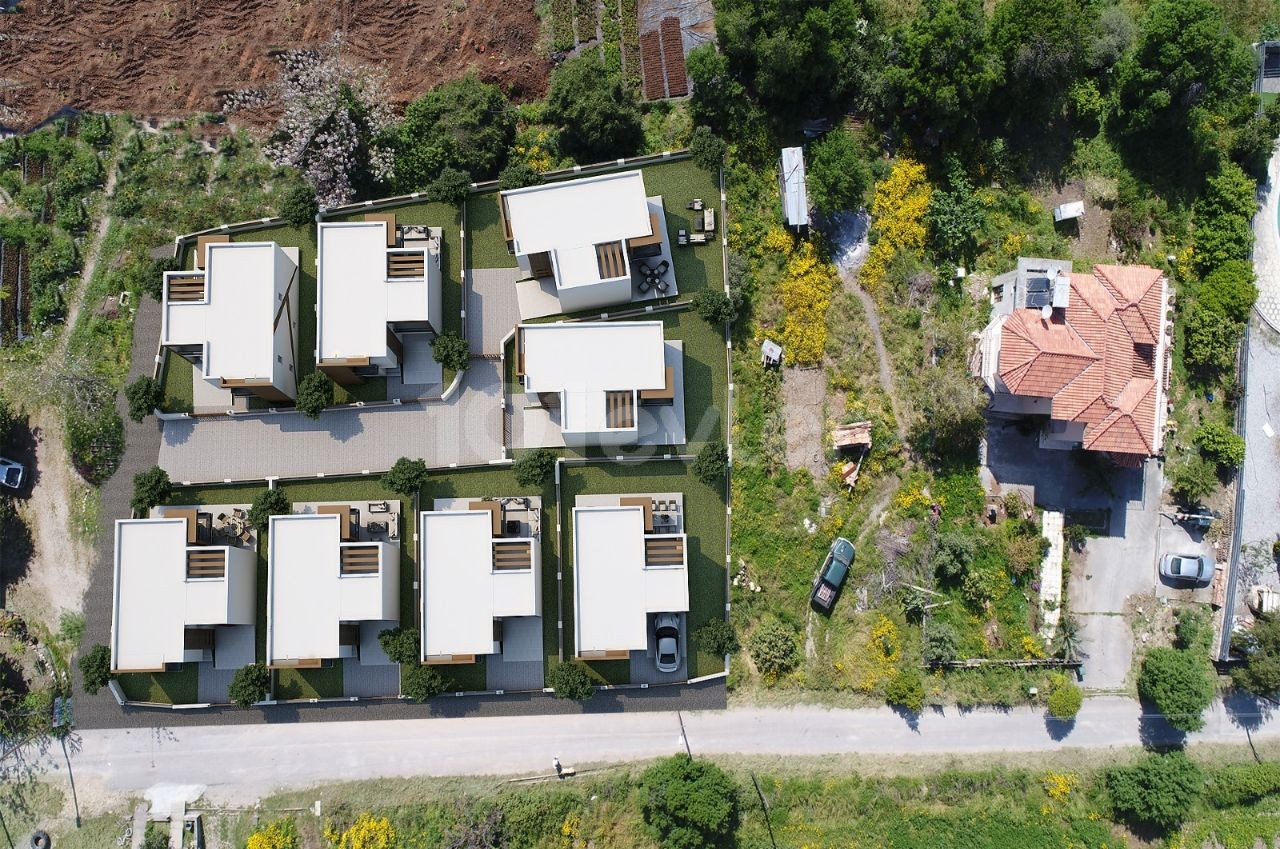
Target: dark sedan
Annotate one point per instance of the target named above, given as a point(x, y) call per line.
point(826, 586)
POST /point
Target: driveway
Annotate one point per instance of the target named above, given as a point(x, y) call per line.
point(465, 430)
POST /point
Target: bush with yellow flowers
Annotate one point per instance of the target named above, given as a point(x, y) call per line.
point(898, 209)
point(805, 294)
point(367, 832)
point(280, 834)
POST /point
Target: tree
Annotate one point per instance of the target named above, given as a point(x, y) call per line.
point(944, 72)
point(423, 683)
point(315, 392)
point(941, 645)
point(707, 149)
point(1260, 673)
point(956, 217)
point(1065, 699)
point(773, 649)
point(466, 124)
point(838, 175)
point(451, 351)
point(517, 175)
point(905, 689)
point(1229, 290)
point(298, 205)
point(712, 463)
point(719, 101)
point(1209, 340)
point(406, 477)
point(144, 396)
point(400, 644)
point(598, 115)
point(249, 685)
point(268, 503)
point(1222, 445)
point(451, 186)
point(1223, 216)
point(1193, 478)
point(955, 551)
point(533, 468)
point(95, 668)
point(716, 307)
point(1044, 45)
point(689, 804)
point(717, 637)
point(571, 680)
point(1159, 790)
point(1180, 683)
point(149, 489)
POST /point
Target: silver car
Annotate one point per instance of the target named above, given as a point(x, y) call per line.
point(12, 473)
point(1191, 569)
point(666, 633)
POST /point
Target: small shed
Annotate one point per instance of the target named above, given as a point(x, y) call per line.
point(1068, 211)
point(795, 196)
point(770, 353)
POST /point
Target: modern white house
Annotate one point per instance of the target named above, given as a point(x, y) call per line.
point(175, 600)
point(481, 575)
point(328, 592)
point(378, 298)
point(584, 234)
point(235, 318)
point(598, 382)
point(627, 566)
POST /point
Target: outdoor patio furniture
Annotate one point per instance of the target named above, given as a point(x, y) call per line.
point(222, 517)
point(682, 237)
point(662, 286)
point(238, 513)
point(662, 267)
point(695, 204)
point(643, 286)
point(709, 219)
point(379, 507)
point(246, 537)
point(697, 238)
point(377, 527)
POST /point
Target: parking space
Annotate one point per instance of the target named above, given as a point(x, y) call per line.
point(1180, 539)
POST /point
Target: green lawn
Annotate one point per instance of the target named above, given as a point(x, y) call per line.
point(704, 515)
point(697, 267)
point(486, 246)
point(176, 687)
point(322, 683)
point(178, 391)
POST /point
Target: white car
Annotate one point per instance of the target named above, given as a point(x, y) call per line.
point(666, 633)
point(12, 473)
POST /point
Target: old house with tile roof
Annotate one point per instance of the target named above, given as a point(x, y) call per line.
point(1088, 350)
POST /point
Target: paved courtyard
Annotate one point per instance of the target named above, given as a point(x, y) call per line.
point(1266, 246)
point(492, 308)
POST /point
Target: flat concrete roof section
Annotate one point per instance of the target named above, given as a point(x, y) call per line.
point(462, 592)
point(307, 594)
point(235, 320)
point(152, 599)
point(614, 590)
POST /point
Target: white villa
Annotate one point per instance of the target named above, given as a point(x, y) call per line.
point(479, 575)
point(236, 319)
point(177, 601)
point(328, 593)
point(600, 383)
point(584, 234)
point(626, 567)
point(378, 299)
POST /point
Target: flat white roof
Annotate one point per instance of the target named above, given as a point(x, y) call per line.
point(578, 213)
point(355, 298)
point(461, 591)
point(795, 197)
point(236, 319)
point(613, 589)
point(153, 601)
point(307, 595)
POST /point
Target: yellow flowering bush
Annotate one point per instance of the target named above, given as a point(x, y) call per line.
point(571, 831)
point(534, 147)
point(277, 835)
point(910, 498)
point(1059, 785)
point(883, 650)
point(778, 241)
point(367, 832)
point(805, 294)
point(1032, 649)
point(898, 208)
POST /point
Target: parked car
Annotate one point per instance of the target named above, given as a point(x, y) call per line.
point(666, 633)
point(12, 473)
point(1192, 569)
point(835, 568)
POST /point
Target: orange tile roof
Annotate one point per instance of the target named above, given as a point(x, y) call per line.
point(1095, 358)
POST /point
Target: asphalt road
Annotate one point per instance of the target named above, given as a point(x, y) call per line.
point(239, 764)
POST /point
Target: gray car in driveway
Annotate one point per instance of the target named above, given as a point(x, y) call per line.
point(1194, 570)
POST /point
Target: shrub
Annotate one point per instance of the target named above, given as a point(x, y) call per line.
point(1243, 784)
point(1179, 683)
point(571, 680)
point(774, 649)
point(1193, 631)
point(406, 477)
point(144, 396)
point(598, 116)
point(421, 683)
point(1209, 340)
point(95, 668)
point(517, 175)
point(8, 423)
point(898, 208)
point(906, 689)
point(1075, 536)
point(402, 645)
point(1229, 291)
point(689, 804)
point(281, 834)
point(954, 553)
point(367, 832)
point(451, 351)
point(717, 637)
point(466, 124)
point(249, 685)
point(268, 503)
point(533, 468)
point(1159, 790)
point(298, 205)
point(804, 295)
point(1193, 478)
point(940, 644)
point(95, 439)
point(712, 463)
point(837, 174)
point(451, 187)
point(707, 149)
point(1222, 445)
point(315, 392)
point(716, 307)
point(1260, 673)
point(1065, 699)
point(149, 489)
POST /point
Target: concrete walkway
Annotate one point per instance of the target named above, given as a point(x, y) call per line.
point(1266, 246)
point(465, 430)
point(239, 764)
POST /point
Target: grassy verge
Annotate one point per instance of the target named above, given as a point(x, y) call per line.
point(322, 683)
point(176, 687)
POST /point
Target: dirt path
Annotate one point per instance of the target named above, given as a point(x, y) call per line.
point(882, 354)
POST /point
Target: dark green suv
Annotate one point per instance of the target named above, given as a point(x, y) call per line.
point(826, 587)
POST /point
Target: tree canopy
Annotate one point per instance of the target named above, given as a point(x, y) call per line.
point(466, 124)
point(1180, 683)
point(1159, 790)
point(838, 175)
point(690, 804)
point(1044, 46)
point(598, 116)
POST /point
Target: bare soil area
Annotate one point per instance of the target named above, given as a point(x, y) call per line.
point(804, 393)
point(1090, 235)
point(172, 57)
